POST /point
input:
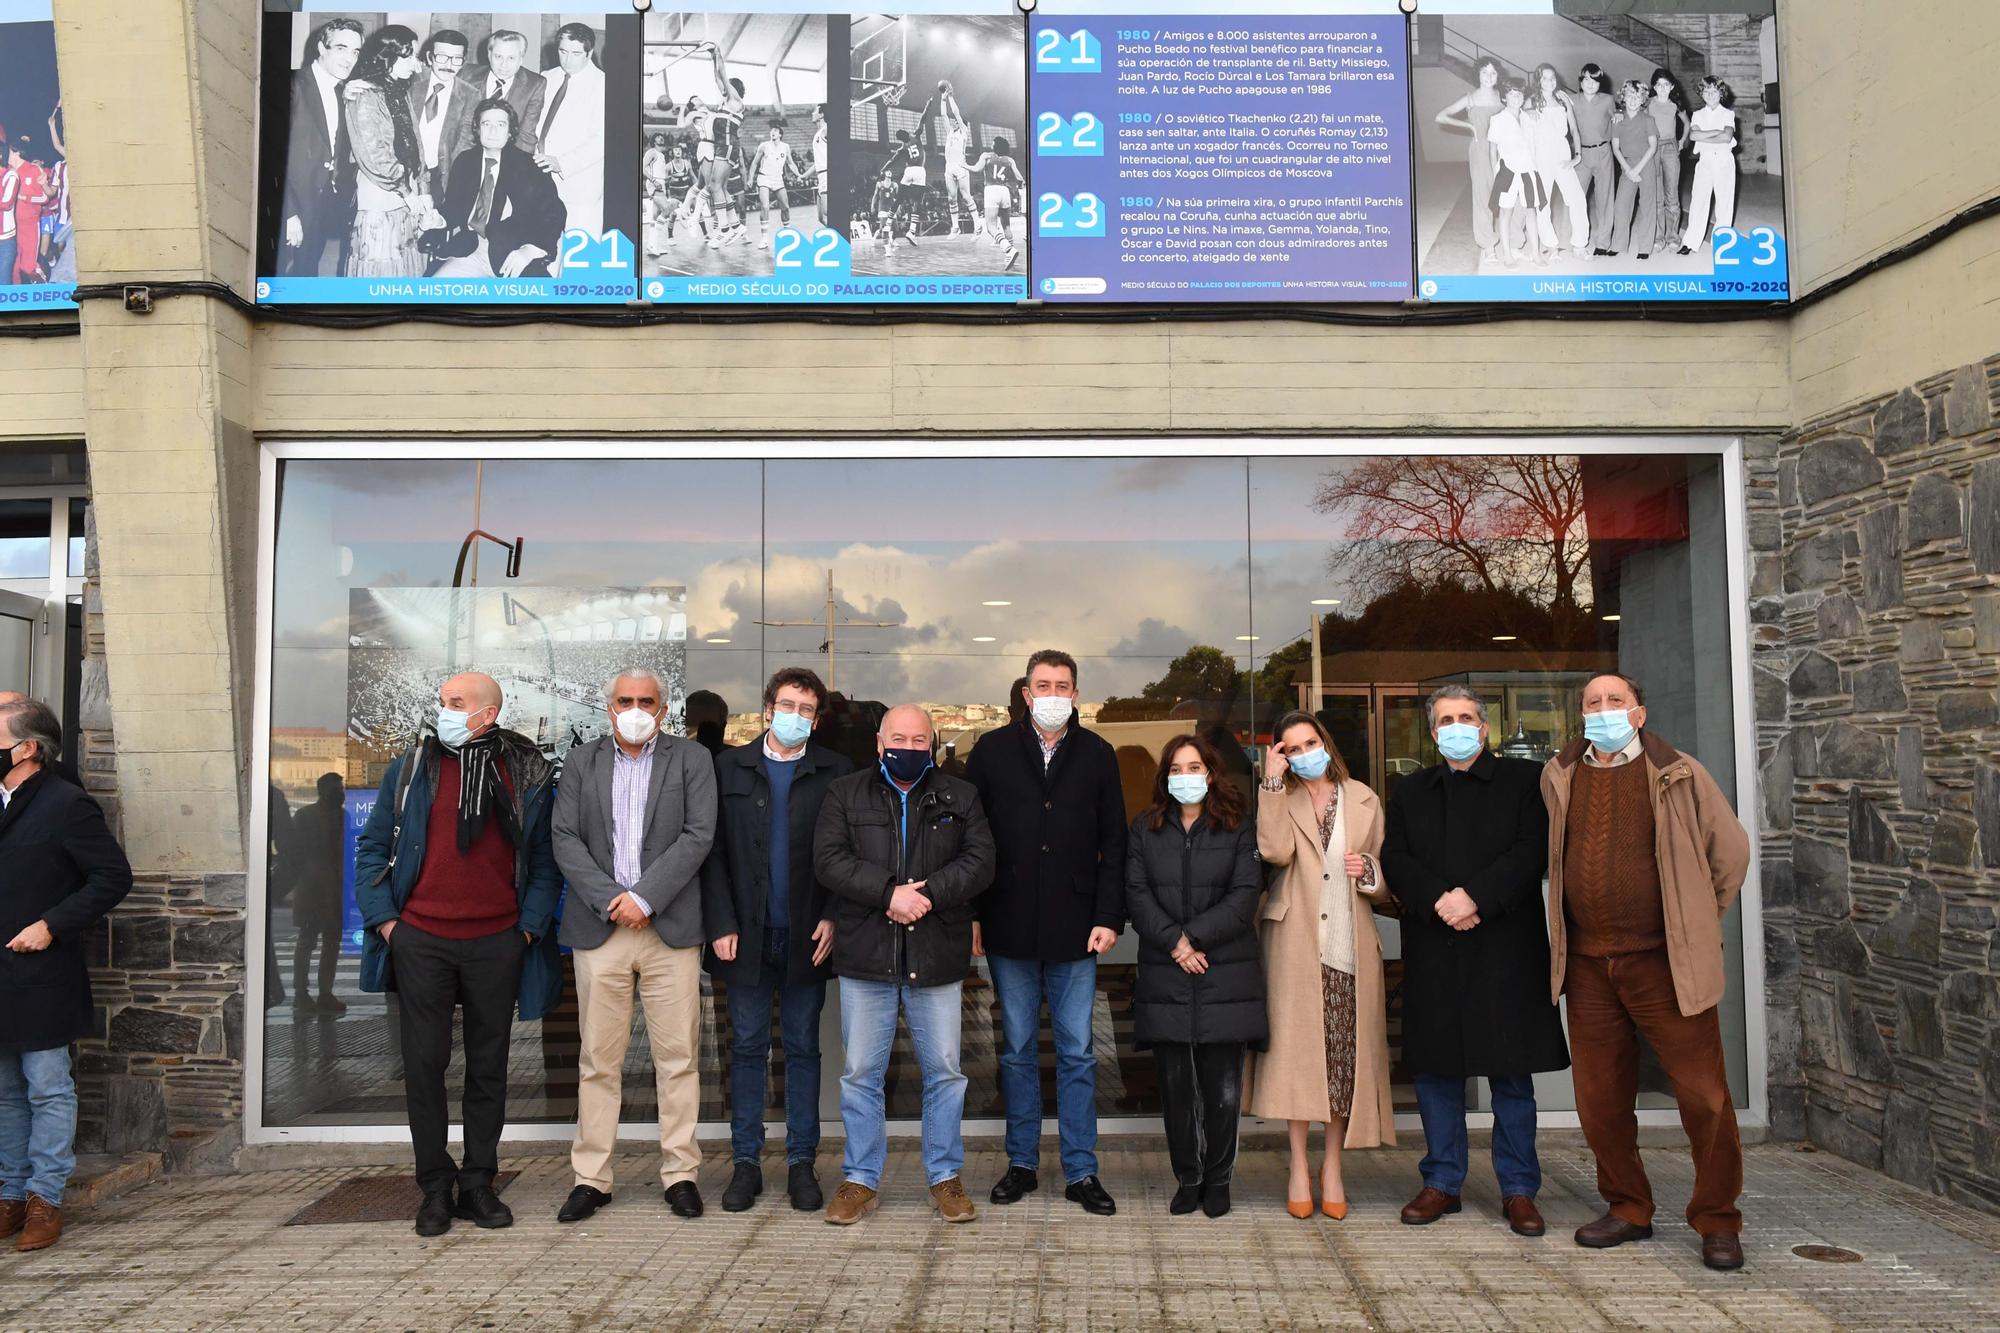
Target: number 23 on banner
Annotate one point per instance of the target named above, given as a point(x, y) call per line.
point(1763, 245)
point(1078, 215)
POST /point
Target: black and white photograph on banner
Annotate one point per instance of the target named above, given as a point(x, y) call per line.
point(442, 144)
point(1571, 150)
point(937, 110)
point(734, 139)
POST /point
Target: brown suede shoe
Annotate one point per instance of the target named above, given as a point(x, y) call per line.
point(953, 1203)
point(851, 1203)
point(1610, 1230)
point(43, 1227)
point(1722, 1251)
point(1429, 1205)
point(13, 1216)
point(1522, 1215)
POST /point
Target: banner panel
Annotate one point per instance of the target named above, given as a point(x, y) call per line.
point(37, 263)
point(834, 158)
point(439, 155)
point(1207, 154)
point(1576, 152)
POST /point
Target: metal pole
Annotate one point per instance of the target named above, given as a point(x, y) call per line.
point(1319, 671)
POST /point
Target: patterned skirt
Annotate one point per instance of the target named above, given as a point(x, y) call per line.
point(1337, 1006)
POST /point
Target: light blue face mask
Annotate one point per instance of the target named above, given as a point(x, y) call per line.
point(1188, 788)
point(451, 728)
point(1312, 764)
point(789, 729)
point(1458, 741)
point(1610, 731)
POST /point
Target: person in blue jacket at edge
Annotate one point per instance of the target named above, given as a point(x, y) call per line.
point(455, 875)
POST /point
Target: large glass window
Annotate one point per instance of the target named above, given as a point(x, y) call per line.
point(1192, 591)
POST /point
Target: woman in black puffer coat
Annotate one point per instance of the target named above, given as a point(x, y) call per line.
point(1191, 884)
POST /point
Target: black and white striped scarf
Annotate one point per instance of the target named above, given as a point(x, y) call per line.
point(482, 790)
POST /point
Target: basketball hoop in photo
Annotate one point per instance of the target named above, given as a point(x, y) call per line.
point(879, 59)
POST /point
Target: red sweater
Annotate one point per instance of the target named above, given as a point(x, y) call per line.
point(462, 895)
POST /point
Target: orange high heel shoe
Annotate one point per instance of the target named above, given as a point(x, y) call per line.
point(1299, 1208)
point(1334, 1210)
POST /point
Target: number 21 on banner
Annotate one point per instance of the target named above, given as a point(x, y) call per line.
point(1067, 53)
point(1057, 135)
point(1079, 215)
point(582, 249)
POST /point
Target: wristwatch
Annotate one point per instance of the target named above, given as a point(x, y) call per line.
point(1276, 784)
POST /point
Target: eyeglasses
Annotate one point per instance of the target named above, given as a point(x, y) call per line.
point(810, 712)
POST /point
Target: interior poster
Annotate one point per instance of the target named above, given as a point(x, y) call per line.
point(444, 155)
point(1252, 152)
point(37, 264)
point(826, 158)
point(1593, 150)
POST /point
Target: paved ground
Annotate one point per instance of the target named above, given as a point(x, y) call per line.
point(199, 1253)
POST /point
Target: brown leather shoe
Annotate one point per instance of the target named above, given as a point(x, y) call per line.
point(1522, 1215)
point(1610, 1230)
point(1722, 1251)
point(1429, 1205)
point(851, 1203)
point(43, 1227)
point(953, 1203)
point(13, 1215)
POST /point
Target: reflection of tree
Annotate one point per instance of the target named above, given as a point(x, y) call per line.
point(1202, 674)
point(1504, 526)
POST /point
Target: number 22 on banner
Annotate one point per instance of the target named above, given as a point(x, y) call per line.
point(1073, 53)
point(1056, 135)
point(1079, 215)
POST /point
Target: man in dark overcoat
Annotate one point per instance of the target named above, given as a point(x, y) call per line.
point(1464, 848)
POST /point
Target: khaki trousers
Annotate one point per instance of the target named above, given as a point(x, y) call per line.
point(667, 982)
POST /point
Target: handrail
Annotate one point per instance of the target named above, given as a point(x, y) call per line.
point(1679, 52)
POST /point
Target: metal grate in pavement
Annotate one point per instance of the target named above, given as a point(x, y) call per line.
point(372, 1199)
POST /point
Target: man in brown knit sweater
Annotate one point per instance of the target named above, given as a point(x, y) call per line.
point(1645, 855)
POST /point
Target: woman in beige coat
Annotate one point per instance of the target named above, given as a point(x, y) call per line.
point(1329, 1054)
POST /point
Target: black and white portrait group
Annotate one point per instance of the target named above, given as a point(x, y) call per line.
point(436, 154)
point(1594, 166)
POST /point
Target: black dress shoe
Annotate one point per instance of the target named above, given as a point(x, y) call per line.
point(434, 1218)
point(746, 1182)
point(1685, 250)
point(581, 1203)
point(1215, 1200)
point(1090, 1193)
point(1186, 1199)
point(1019, 1180)
point(684, 1199)
point(802, 1183)
point(482, 1207)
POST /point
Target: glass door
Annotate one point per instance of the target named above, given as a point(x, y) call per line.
point(20, 627)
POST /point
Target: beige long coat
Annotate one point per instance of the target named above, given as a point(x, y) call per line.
point(1288, 1081)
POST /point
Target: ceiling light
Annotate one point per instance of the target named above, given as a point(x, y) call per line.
point(717, 639)
point(1614, 618)
point(996, 603)
point(1503, 638)
point(1326, 601)
point(1246, 638)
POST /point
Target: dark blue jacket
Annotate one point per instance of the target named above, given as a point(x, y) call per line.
point(389, 855)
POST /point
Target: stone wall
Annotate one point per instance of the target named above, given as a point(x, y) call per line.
point(1876, 606)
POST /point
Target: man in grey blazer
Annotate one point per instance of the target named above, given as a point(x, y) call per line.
point(634, 817)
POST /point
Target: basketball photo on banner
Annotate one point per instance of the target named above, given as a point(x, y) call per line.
point(937, 110)
point(446, 155)
point(734, 140)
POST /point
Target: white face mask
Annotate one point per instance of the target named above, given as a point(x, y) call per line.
point(1051, 711)
point(636, 726)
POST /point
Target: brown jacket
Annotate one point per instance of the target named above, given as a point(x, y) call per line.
point(1288, 1081)
point(1703, 853)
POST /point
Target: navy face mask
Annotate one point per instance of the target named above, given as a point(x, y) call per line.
point(906, 765)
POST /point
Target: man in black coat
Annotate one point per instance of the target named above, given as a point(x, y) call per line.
point(318, 208)
point(1052, 794)
point(60, 872)
point(502, 215)
point(1464, 847)
point(770, 928)
point(904, 850)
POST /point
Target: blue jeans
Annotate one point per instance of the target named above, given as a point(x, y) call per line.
point(867, 1031)
point(37, 1124)
point(1441, 1101)
point(1070, 988)
point(750, 1056)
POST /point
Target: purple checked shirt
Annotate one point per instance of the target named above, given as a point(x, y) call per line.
point(631, 779)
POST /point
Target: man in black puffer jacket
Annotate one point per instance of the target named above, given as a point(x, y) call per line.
point(904, 850)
